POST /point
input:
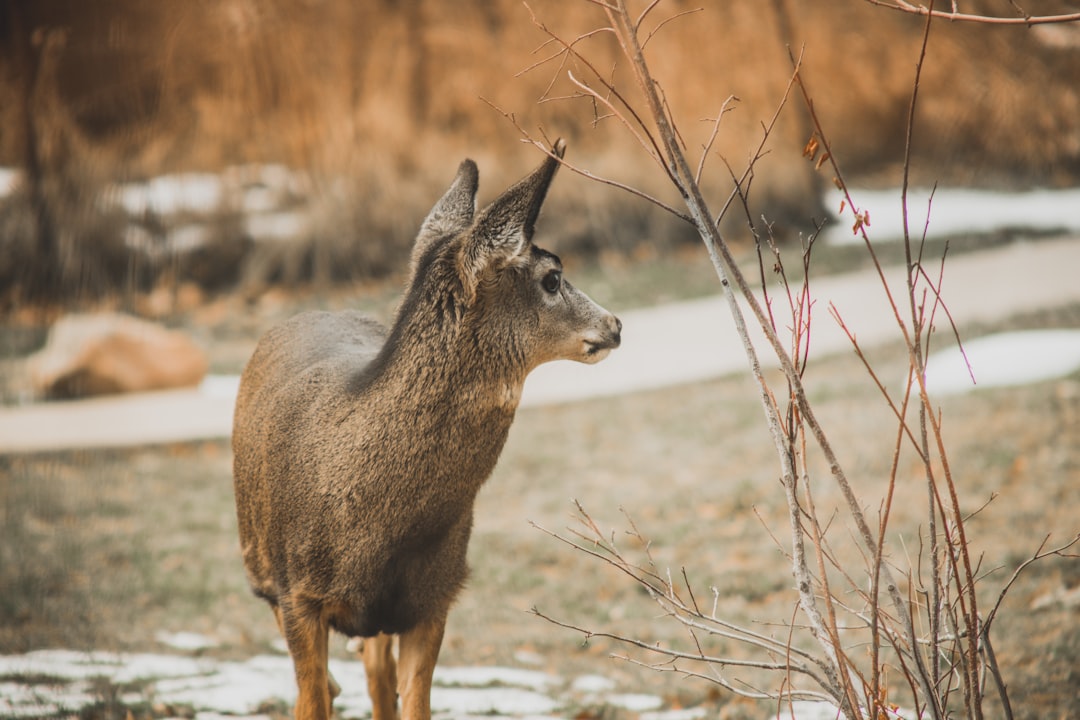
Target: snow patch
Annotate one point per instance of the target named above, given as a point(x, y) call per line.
point(70, 665)
point(808, 710)
point(593, 684)
point(61, 681)
point(952, 211)
point(284, 225)
point(1004, 359)
point(528, 657)
point(635, 702)
point(199, 193)
point(490, 701)
point(9, 179)
point(694, 713)
point(819, 710)
point(185, 640)
point(484, 676)
point(25, 701)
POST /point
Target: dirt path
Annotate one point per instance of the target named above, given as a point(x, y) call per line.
point(662, 346)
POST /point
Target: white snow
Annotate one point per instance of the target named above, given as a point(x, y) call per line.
point(235, 688)
point(70, 665)
point(593, 684)
point(490, 701)
point(45, 682)
point(9, 178)
point(172, 194)
point(484, 676)
point(528, 657)
point(266, 195)
point(185, 640)
point(270, 199)
point(808, 710)
point(635, 702)
point(694, 713)
point(26, 701)
point(1004, 359)
point(284, 225)
point(953, 211)
point(240, 688)
point(816, 710)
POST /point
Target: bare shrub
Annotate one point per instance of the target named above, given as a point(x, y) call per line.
point(880, 619)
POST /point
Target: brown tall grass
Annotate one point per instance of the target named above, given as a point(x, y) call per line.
point(385, 98)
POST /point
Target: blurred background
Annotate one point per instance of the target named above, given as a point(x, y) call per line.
point(215, 166)
point(245, 143)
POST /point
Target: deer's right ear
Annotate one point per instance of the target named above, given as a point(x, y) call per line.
point(504, 229)
point(454, 211)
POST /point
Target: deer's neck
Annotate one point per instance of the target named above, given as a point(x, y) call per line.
point(448, 398)
point(442, 358)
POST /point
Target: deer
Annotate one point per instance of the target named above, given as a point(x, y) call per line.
point(358, 451)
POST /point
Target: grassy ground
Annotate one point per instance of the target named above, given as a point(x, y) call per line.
point(105, 549)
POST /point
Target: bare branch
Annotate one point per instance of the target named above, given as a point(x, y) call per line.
point(644, 13)
point(1025, 20)
point(656, 29)
point(833, 603)
point(627, 114)
point(643, 138)
point(545, 148)
point(707, 147)
point(1039, 554)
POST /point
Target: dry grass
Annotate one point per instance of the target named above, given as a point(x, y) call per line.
point(102, 550)
point(380, 101)
point(343, 86)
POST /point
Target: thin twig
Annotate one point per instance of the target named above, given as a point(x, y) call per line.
point(634, 120)
point(665, 22)
point(1027, 20)
point(545, 147)
point(728, 271)
point(668, 652)
point(1036, 556)
point(707, 148)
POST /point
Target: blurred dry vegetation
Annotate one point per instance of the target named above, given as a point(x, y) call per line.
point(370, 105)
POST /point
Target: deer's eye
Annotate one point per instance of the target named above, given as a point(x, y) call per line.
point(552, 282)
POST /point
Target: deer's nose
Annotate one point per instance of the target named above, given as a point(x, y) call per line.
point(617, 331)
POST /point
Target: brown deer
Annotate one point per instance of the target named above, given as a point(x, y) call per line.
point(359, 451)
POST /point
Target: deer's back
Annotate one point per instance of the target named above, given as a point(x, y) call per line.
point(289, 391)
point(305, 360)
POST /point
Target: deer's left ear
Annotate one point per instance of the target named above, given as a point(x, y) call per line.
point(453, 213)
point(504, 229)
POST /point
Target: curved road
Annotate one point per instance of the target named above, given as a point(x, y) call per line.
point(662, 346)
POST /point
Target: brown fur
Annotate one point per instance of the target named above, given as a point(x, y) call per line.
point(359, 451)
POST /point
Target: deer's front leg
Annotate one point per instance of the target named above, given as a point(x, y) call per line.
point(417, 655)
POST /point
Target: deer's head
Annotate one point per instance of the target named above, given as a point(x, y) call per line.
point(509, 293)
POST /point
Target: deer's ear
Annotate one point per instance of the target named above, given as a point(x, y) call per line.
point(504, 229)
point(453, 213)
